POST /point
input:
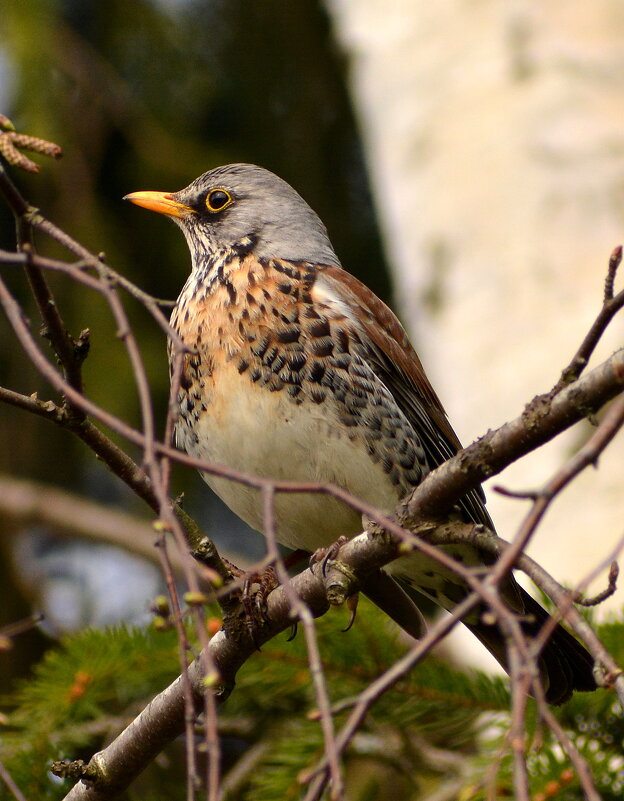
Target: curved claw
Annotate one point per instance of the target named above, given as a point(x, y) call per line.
point(352, 604)
point(326, 560)
point(325, 555)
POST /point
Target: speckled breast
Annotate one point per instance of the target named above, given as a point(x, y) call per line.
point(277, 383)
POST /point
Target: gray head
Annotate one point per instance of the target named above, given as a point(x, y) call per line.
point(241, 206)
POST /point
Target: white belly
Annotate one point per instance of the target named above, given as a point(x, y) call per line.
point(265, 433)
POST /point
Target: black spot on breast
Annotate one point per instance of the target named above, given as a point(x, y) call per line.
point(322, 347)
point(353, 402)
point(342, 361)
point(291, 315)
point(278, 363)
point(413, 477)
point(260, 347)
point(316, 371)
point(186, 382)
point(407, 461)
point(286, 289)
point(275, 384)
point(373, 422)
point(317, 395)
point(270, 355)
point(286, 269)
point(329, 378)
point(242, 365)
point(342, 340)
point(387, 464)
point(359, 370)
point(288, 335)
point(296, 360)
point(231, 291)
point(319, 328)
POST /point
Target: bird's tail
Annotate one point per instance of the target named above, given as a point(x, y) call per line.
point(565, 665)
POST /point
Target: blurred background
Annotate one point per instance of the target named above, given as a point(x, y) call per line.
point(467, 158)
point(149, 95)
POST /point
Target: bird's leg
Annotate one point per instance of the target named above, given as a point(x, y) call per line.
point(324, 556)
point(256, 589)
point(245, 605)
point(253, 599)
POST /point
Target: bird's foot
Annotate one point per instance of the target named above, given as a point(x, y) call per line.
point(324, 557)
point(248, 607)
point(256, 589)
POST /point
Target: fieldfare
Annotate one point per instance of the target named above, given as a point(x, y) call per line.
point(296, 370)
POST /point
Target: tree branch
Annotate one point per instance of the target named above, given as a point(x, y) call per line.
point(364, 553)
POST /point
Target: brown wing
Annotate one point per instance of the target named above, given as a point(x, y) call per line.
point(564, 664)
point(396, 364)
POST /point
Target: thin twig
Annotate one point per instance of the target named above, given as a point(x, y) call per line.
point(610, 307)
point(388, 679)
point(21, 626)
point(600, 597)
point(302, 613)
point(8, 780)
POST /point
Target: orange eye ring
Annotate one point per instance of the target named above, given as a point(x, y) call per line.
point(218, 199)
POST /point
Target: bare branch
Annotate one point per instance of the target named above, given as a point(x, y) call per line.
point(587, 455)
point(543, 419)
point(69, 514)
point(6, 777)
point(610, 307)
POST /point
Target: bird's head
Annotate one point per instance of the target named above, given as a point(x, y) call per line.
point(241, 207)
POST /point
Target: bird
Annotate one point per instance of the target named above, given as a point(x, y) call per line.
point(294, 369)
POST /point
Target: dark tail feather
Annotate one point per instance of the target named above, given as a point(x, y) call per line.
point(395, 600)
point(564, 663)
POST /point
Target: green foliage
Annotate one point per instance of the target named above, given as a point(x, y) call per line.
point(80, 694)
point(438, 726)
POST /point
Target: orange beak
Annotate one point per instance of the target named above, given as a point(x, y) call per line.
point(161, 202)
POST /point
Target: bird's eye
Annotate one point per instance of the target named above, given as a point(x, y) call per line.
point(218, 199)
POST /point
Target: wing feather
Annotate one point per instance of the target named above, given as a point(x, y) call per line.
point(395, 363)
